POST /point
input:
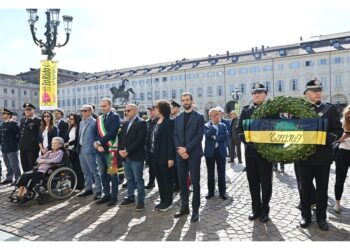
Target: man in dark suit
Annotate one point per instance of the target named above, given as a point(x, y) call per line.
point(216, 135)
point(317, 166)
point(132, 148)
point(235, 142)
point(259, 169)
point(188, 135)
point(61, 125)
point(9, 140)
point(151, 122)
point(107, 128)
point(29, 137)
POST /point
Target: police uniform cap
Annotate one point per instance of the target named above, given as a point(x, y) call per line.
point(151, 107)
point(313, 85)
point(6, 111)
point(258, 87)
point(28, 105)
point(174, 104)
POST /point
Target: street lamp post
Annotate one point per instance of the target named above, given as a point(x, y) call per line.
point(236, 96)
point(52, 17)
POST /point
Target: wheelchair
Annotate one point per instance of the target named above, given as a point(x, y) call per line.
point(59, 182)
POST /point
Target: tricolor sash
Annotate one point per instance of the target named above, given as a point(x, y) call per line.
point(283, 131)
point(112, 144)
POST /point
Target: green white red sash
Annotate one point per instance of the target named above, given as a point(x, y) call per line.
point(112, 144)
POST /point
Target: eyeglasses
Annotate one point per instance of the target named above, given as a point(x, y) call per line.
point(85, 110)
point(27, 109)
point(45, 116)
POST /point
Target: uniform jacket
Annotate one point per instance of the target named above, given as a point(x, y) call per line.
point(9, 136)
point(29, 134)
point(211, 138)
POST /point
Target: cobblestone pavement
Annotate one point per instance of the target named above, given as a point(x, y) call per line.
point(80, 219)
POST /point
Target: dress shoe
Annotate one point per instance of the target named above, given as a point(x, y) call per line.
point(253, 216)
point(304, 223)
point(104, 199)
point(149, 186)
point(244, 169)
point(140, 206)
point(230, 161)
point(5, 182)
point(112, 202)
point(223, 196)
point(195, 217)
point(240, 162)
point(127, 202)
point(97, 196)
point(125, 185)
point(183, 211)
point(85, 193)
point(264, 218)
point(165, 207)
point(208, 196)
point(323, 225)
point(158, 206)
point(298, 206)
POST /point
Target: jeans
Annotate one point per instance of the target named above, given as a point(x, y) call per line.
point(134, 175)
point(89, 168)
point(102, 161)
point(12, 165)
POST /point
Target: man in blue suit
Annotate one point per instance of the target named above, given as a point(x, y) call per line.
point(107, 125)
point(188, 135)
point(87, 153)
point(216, 135)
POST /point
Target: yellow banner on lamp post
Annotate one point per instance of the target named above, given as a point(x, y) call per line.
point(48, 85)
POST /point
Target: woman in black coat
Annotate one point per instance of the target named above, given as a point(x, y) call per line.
point(47, 132)
point(162, 150)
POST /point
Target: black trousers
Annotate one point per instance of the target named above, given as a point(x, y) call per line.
point(74, 159)
point(312, 190)
point(29, 179)
point(259, 174)
point(192, 166)
point(220, 163)
point(151, 170)
point(28, 159)
point(307, 173)
point(175, 177)
point(164, 176)
point(342, 163)
point(235, 149)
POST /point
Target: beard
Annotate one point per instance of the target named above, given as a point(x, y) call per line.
point(187, 106)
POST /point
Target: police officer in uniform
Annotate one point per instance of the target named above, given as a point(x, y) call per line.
point(9, 136)
point(29, 134)
point(259, 169)
point(317, 165)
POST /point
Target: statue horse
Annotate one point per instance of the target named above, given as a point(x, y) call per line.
point(120, 93)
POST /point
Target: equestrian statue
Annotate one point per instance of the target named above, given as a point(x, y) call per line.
point(120, 92)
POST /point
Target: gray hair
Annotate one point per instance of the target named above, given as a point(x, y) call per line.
point(59, 140)
point(106, 99)
point(233, 112)
point(133, 105)
point(87, 106)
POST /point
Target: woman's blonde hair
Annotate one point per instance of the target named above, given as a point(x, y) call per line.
point(346, 118)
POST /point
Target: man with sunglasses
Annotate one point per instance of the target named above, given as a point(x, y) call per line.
point(29, 137)
point(9, 139)
point(259, 169)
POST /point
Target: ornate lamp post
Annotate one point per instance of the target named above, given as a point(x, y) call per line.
point(52, 17)
point(236, 96)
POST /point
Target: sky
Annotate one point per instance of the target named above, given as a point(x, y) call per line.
point(109, 35)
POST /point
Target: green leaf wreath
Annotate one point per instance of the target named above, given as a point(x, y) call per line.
point(299, 108)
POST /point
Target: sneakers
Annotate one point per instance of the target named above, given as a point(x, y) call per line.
point(336, 208)
point(140, 206)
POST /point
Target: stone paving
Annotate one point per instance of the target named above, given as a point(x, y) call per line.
point(80, 219)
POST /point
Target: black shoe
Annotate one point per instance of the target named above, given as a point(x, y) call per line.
point(304, 223)
point(240, 162)
point(23, 200)
point(208, 196)
point(244, 169)
point(158, 205)
point(183, 211)
point(13, 184)
point(127, 201)
point(140, 206)
point(164, 207)
point(264, 218)
point(149, 186)
point(231, 161)
point(298, 206)
point(97, 196)
point(323, 225)
point(5, 182)
point(125, 185)
point(223, 196)
point(85, 193)
point(253, 216)
point(112, 202)
point(104, 199)
point(194, 217)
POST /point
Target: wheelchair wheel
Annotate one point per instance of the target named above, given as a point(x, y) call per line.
point(61, 183)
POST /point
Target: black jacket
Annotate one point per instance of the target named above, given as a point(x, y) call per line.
point(51, 134)
point(164, 145)
point(134, 140)
point(63, 130)
point(9, 136)
point(29, 134)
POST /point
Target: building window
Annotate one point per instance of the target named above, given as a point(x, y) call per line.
point(231, 72)
point(219, 91)
point(242, 88)
point(35, 93)
point(95, 99)
point(68, 103)
point(294, 65)
point(12, 91)
point(210, 91)
point(63, 103)
point(180, 92)
point(84, 100)
point(79, 102)
point(5, 103)
point(267, 68)
point(90, 100)
point(280, 86)
point(268, 86)
point(25, 92)
point(156, 79)
point(149, 96)
point(254, 69)
point(173, 94)
point(294, 84)
point(73, 102)
point(13, 103)
point(165, 94)
point(323, 61)
point(243, 70)
point(219, 74)
point(199, 92)
point(337, 60)
point(338, 81)
point(308, 63)
point(142, 97)
point(5, 90)
point(324, 82)
point(63, 91)
point(164, 79)
point(280, 66)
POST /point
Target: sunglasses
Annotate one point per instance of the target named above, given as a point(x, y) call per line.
point(27, 109)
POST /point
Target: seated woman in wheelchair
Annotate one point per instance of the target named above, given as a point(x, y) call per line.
point(34, 177)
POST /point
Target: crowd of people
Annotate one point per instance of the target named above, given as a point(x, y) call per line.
point(106, 151)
